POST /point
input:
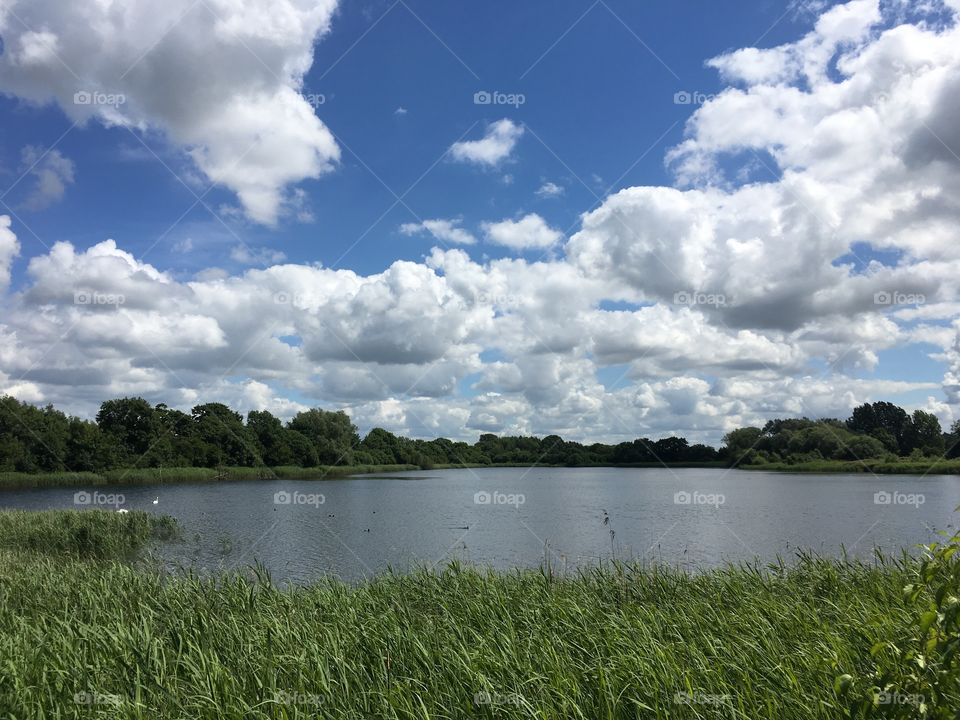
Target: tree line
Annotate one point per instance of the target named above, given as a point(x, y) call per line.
point(130, 432)
point(879, 430)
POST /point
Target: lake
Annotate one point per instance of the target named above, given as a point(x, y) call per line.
point(525, 517)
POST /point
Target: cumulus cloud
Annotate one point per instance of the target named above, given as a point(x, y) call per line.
point(494, 147)
point(9, 249)
point(528, 233)
point(220, 79)
point(446, 231)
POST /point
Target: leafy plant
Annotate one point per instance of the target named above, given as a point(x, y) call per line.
point(919, 675)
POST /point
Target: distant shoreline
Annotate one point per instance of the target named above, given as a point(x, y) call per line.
point(151, 476)
point(904, 466)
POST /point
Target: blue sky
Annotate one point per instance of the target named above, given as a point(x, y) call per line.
point(762, 153)
point(598, 80)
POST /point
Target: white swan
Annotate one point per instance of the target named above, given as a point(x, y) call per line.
point(156, 500)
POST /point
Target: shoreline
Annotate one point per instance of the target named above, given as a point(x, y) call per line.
point(178, 476)
point(517, 636)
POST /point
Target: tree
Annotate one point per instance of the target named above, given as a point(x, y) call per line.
point(740, 444)
point(952, 440)
point(89, 449)
point(881, 418)
point(670, 449)
point(332, 434)
point(271, 438)
point(303, 451)
point(382, 447)
point(224, 436)
point(924, 434)
point(133, 423)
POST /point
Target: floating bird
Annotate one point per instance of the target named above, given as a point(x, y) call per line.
point(156, 500)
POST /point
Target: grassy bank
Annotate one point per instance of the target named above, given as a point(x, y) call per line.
point(877, 467)
point(84, 635)
point(621, 642)
point(149, 476)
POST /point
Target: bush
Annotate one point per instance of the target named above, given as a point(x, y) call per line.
point(919, 675)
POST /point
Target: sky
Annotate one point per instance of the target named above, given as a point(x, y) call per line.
point(603, 220)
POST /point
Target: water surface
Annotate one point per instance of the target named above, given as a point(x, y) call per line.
point(569, 517)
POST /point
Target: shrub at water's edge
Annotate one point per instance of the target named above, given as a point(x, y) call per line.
point(916, 672)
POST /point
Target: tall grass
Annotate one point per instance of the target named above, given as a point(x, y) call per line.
point(80, 640)
point(82, 533)
point(903, 466)
point(150, 476)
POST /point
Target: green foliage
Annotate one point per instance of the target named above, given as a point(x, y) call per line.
point(925, 435)
point(872, 433)
point(332, 434)
point(619, 642)
point(82, 533)
point(741, 443)
point(917, 674)
point(130, 433)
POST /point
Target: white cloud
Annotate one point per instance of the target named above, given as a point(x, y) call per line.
point(50, 173)
point(183, 246)
point(527, 233)
point(9, 249)
point(446, 231)
point(221, 79)
point(256, 256)
point(549, 190)
point(493, 148)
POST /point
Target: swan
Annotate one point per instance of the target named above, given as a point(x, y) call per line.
point(156, 500)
